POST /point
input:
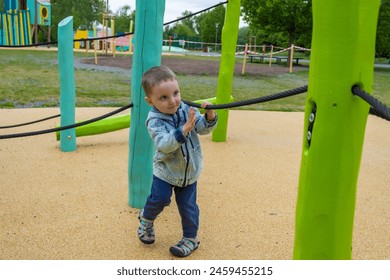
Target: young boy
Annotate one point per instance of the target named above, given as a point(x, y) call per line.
point(174, 128)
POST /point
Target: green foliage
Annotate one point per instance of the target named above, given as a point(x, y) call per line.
point(84, 13)
point(290, 19)
point(243, 35)
point(208, 25)
point(383, 31)
point(183, 29)
point(123, 16)
point(188, 23)
point(203, 26)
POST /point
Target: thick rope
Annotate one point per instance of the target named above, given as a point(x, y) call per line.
point(28, 123)
point(217, 106)
point(33, 133)
point(377, 108)
point(193, 14)
point(271, 97)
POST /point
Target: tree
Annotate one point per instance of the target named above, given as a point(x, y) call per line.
point(123, 16)
point(383, 30)
point(197, 21)
point(243, 35)
point(290, 18)
point(211, 25)
point(189, 22)
point(207, 26)
point(183, 29)
point(84, 13)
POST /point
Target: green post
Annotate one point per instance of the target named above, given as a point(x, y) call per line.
point(147, 53)
point(67, 85)
point(226, 69)
point(103, 126)
point(343, 48)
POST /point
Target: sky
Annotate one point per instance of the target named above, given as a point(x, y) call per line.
point(173, 8)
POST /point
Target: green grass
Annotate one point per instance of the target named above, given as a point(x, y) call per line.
point(30, 78)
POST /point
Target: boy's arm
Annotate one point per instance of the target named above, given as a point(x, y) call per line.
point(164, 140)
point(210, 114)
point(206, 123)
point(190, 123)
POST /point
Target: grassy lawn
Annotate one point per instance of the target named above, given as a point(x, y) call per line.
point(29, 78)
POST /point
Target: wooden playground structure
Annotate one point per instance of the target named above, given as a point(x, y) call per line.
point(21, 21)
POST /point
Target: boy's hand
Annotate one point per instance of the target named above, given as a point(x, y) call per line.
point(210, 114)
point(190, 124)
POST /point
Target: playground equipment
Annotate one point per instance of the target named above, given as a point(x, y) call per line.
point(67, 83)
point(105, 43)
point(81, 34)
point(335, 123)
point(147, 53)
point(103, 126)
point(22, 19)
point(226, 71)
point(334, 126)
point(68, 95)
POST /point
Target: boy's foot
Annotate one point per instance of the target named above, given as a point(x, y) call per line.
point(145, 229)
point(185, 247)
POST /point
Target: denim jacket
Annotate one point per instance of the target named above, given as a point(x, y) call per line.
point(178, 159)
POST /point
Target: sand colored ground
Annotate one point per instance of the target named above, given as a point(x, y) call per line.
point(56, 205)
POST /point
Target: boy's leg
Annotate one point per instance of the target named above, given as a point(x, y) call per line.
point(188, 209)
point(160, 196)
point(189, 212)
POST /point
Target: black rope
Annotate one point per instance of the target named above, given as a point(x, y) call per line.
point(33, 133)
point(105, 37)
point(377, 108)
point(74, 40)
point(28, 123)
point(271, 97)
point(191, 15)
point(193, 104)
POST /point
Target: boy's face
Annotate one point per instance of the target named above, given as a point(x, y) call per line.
point(165, 97)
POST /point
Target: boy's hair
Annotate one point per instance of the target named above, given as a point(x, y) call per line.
point(154, 76)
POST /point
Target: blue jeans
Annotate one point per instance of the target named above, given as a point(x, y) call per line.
point(160, 196)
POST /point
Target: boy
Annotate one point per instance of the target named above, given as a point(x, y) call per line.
point(174, 128)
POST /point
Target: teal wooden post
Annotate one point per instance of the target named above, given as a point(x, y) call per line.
point(226, 69)
point(343, 49)
point(147, 53)
point(67, 84)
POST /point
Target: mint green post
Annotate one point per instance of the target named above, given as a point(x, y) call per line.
point(343, 48)
point(67, 85)
point(226, 69)
point(147, 53)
